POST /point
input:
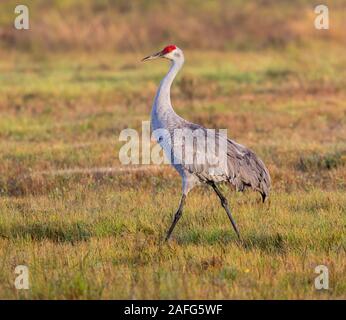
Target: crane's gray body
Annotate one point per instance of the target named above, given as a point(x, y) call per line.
point(243, 168)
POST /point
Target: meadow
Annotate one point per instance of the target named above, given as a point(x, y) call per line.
point(86, 233)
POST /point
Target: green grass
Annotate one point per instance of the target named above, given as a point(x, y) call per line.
point(99, 235)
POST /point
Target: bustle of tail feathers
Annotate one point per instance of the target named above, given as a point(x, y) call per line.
point(265, 182)
point(247, 170)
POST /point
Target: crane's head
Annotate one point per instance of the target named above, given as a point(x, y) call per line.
point(170, 52)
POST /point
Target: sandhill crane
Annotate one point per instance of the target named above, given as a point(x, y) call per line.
point(243, 168)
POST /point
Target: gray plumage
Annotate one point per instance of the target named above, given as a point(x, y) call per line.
point(243, 168)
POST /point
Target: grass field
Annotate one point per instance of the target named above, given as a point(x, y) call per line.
point(99, 235)
point(88, 234)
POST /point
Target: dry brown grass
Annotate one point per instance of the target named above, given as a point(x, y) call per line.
point(130, 25)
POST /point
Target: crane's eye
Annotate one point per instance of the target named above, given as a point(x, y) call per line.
point(177, 54)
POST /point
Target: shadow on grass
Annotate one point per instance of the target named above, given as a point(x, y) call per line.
point(205, 237)
point(274, 243)
point(73, 232)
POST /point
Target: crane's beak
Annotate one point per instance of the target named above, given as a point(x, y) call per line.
point(153, 56)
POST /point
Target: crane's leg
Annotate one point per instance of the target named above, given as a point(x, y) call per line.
point(176, 216)
point(224, 204)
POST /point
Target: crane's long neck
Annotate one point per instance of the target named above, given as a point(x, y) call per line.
point(162, 105)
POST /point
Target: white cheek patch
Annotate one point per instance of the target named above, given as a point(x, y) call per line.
point(169, 55)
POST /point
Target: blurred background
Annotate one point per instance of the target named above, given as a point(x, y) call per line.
point(258, 68)
point(133, 26)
